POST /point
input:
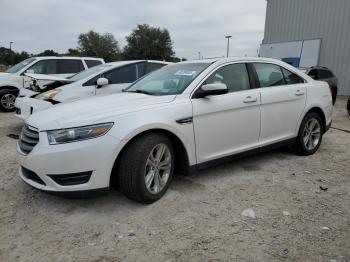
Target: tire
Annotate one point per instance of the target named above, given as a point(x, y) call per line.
point(7, 100)
point(348, 106)
point(139, 161)
point(301, 147)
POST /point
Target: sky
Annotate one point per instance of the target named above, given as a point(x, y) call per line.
point(194, 25)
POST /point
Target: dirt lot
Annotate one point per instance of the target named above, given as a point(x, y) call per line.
point(199, 219)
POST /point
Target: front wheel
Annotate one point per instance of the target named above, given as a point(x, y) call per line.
point(7, 100)
point(310, 135)
point(146, 168)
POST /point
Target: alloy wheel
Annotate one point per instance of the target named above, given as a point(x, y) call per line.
point(8, 101)
point(312, 134)
point(158, 168)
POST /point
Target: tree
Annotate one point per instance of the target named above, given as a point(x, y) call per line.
point(147, 42)
point(5, 56)
point(48, 52)
point(99, 45)
point(73, 52)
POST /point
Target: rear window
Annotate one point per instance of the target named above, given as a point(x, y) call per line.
point(324, 74)
point(92, 63)
point(69, 66)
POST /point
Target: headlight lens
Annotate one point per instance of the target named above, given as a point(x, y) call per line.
point(77, 133)
point(48, 94)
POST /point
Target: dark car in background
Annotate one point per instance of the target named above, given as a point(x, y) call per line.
point(322, 73)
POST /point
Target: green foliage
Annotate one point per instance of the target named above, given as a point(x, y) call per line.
point(5, 56)
point(48, 52)
point(99, 45)
point(147, 42)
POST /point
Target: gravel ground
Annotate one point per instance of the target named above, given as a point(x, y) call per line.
point(199, 219)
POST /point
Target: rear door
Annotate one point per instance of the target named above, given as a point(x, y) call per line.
point(69, 67)
point(283, 98)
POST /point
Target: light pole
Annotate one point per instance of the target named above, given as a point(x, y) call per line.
point(228, 44)
point(11, 53)
point(199, 55)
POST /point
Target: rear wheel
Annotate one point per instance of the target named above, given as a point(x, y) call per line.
point(146, 168)
point(7, 100)
point(310, 135)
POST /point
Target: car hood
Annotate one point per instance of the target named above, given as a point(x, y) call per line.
point(2, 74)
point(94, 110)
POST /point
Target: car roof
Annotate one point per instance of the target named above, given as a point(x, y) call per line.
point(67, 57)
point(127, 62)
point(233, 59)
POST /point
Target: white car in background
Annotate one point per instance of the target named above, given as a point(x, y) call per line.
point(185, 116)
point(103, 79)
point(14, 79)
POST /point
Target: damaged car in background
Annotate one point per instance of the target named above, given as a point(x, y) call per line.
point(102, 79)
point(15, 79)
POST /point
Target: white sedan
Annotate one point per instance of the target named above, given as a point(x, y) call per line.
point(102, 79)
point(183, 117)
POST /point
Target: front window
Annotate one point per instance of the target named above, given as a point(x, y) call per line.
point(169, 80)
point(20, 66)
point(47, 67)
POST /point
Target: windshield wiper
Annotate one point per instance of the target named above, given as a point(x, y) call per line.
point(140, 91)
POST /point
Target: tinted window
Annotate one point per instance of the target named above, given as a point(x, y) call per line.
point(45, 67)
point(269, 74)
point(313, 74)
point(235, 77)
point(141, 68)
point(125, 74)
point(324, 74)
point(291, 78)
point(153, 66)
point(69, 66)
point(91, 63)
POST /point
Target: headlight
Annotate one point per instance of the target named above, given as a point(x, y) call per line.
point(48, 94)
point(77, 133)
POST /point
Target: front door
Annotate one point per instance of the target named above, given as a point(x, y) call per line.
point(230, 123)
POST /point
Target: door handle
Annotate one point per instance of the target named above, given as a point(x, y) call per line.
point(250, 99)
point(299, 93)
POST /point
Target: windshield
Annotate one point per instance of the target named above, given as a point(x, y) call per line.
point(89, 72)
point(19, 66)
point(169, 80)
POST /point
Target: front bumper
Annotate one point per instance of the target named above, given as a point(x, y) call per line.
point(26, 106)
point(96, 156)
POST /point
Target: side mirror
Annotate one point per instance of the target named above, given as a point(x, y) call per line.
point(30, 71)
point(211, 90)
point(101, 82)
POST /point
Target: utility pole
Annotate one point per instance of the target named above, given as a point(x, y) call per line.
point(228, 44)
point(11, 53)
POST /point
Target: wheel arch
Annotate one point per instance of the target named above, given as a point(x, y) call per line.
point(319, 111)
point(9, 87)
point(180, 152)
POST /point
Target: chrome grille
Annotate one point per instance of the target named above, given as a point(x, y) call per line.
point(28, 139)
